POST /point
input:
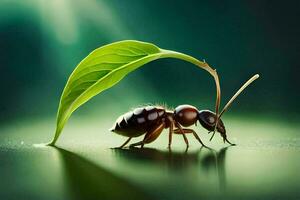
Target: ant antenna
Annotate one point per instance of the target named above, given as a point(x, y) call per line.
point(253, 78)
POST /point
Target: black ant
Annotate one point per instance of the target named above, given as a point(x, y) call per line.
point(151, 120)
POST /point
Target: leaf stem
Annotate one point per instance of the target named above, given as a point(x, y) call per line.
point(203, 65)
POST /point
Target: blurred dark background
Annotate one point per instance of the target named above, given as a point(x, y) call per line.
point(42, 42)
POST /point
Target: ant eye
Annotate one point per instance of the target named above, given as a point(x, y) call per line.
point(211, 120)
point(207, 119)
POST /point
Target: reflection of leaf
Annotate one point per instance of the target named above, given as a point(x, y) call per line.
point(89, 181)
point(105, 67)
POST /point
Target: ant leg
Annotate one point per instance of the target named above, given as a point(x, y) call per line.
point(170, 133)
point(120, 147)
point(137, 144)
point(196, 136)
point(151, 135)
point(225, 139)
point(184, 136)
point(170, 137)
point(178, 131)
point(194, 133)
point(186, 140)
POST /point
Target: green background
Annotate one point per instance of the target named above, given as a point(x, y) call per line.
point(42, 42)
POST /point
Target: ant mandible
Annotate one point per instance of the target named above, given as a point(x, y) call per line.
point(151, 120)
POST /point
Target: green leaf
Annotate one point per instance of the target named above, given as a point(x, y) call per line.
point(106, 66)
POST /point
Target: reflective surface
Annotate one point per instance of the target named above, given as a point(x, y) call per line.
point(264, 165)
point(42, 42)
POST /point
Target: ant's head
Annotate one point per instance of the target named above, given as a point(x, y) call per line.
point(208, 119)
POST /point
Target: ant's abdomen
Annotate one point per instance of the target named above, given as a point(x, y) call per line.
point(138, 121)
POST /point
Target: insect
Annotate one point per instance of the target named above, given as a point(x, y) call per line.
point(152, 120)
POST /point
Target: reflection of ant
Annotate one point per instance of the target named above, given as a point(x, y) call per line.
point(174, 160)
point(179, 160)
point(216, 160)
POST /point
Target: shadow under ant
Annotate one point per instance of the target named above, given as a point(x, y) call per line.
point(210, 160)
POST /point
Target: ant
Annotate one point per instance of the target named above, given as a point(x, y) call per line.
point(151, 120)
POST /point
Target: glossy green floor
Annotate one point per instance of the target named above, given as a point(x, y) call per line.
point(264, 165)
